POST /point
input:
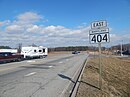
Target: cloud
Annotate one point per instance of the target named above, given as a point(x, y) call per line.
point(60, 31)
point(55, 30)
point(28, 18)
point(48, 35)
point(27, 29)
point(3, 23)
point(33, 29)
point(15, 29)
point(24, 22)
point(117, 39)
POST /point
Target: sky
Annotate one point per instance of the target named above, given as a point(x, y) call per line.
point(58, 23)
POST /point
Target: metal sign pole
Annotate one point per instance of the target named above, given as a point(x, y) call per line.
point(100, 67)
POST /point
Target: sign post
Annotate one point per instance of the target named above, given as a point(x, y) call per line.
point(100, 67)
point(98, 34)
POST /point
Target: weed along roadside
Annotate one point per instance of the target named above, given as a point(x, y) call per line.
point(115, 78)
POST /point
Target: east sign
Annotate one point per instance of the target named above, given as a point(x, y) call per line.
point(99, 24)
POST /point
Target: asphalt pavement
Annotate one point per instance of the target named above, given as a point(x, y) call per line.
point(53, 76)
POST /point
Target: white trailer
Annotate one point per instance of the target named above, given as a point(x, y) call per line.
point(34, 52)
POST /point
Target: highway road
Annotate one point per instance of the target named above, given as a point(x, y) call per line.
point(53, 76)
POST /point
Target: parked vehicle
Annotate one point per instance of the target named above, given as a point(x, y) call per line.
point(34, 52)
point(8, 57)
point(126, 52)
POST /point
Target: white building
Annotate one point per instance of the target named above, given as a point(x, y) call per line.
point(9, 50)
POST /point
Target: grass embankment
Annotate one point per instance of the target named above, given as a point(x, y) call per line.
point(59, 53)
point(115, 78)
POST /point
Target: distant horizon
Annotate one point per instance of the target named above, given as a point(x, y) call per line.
point(70, 46)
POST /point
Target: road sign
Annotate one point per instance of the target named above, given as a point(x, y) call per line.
point(97, 31)
point(99, 35)
point(99, 38)
point(98, 24)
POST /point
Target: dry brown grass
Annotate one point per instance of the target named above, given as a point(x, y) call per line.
point(115, 77)
point(60, 52)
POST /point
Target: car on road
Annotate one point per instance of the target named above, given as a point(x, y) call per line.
point(75, 52)
point(9, 57)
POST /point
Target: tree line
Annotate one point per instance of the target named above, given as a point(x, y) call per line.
point(5, 47)
point(73, 48)
point(77, 48)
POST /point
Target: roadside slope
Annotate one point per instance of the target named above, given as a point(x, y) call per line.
point(116, 78)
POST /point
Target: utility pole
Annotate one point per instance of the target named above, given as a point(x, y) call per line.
point(19, 47)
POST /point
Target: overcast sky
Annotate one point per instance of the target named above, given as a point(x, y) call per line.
point(56, 23)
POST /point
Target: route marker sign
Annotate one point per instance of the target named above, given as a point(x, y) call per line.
point(99, 33)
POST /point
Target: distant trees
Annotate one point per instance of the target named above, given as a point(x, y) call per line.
point(74, 48)
point(5, 47)
point(70, 48)
point(118, 47)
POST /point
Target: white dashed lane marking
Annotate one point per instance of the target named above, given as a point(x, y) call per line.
point(50, 66)
point(29, 74)
point(60, 62)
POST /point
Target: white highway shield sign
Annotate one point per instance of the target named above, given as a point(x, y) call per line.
point(99, 37)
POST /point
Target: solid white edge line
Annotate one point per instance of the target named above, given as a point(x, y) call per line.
point(67, 86)
point(31, 61)
point(78, 82)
